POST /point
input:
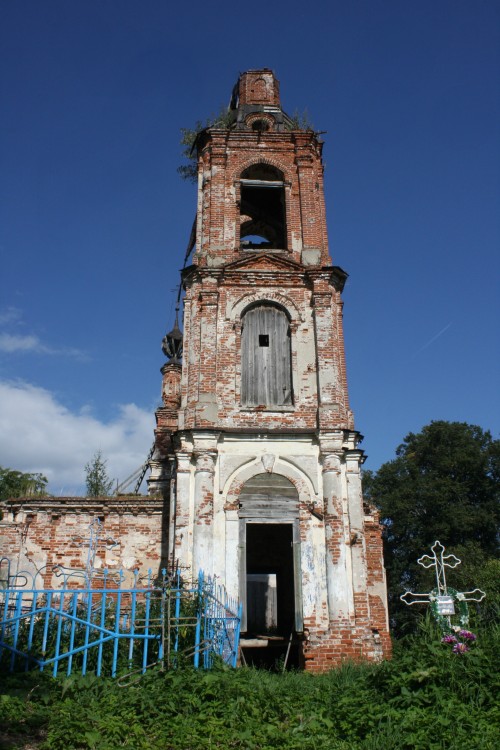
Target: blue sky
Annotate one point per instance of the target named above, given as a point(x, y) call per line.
point(94, 220)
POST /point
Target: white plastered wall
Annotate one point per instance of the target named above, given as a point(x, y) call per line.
point(327, 588)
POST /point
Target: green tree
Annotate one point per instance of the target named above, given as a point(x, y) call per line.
point(443, 484)
point(18, 484)
point(97, 480)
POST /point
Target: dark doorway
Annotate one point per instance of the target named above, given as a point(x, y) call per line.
point(270, 585)
point(270, 601)
point(270, 572)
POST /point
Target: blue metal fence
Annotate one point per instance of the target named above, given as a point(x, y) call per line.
point(101, 626)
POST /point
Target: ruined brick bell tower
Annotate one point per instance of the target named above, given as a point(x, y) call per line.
point(256, 452)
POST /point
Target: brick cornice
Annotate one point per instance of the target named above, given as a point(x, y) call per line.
point(252, 261)
point(333, 275)
point(255, 269)
point(90, 505)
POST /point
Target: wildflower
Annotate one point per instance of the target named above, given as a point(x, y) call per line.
point(460, 648)
point(448, 639)
point(467, 635)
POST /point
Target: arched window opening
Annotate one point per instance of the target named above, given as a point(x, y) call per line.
point(260, 125)
point(262, 208)
point(266, 375)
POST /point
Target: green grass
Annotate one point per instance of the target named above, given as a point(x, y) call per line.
point(426, 698)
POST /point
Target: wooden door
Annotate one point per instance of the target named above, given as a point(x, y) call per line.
point(266, 367)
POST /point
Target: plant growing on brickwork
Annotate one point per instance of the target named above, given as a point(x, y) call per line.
point(97, 480)
point(300, 121)
point(223, 120)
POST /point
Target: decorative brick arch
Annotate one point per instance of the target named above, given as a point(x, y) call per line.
point(260, 117)
point(276, 163)
point(282, 300)
point(279, 465)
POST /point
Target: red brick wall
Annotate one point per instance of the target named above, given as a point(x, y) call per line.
point(37, 532)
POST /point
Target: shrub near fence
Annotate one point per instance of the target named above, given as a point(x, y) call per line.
point(107, 629)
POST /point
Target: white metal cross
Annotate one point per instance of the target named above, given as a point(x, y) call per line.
point(440, 562)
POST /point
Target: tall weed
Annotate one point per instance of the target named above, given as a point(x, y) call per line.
point(426, 698)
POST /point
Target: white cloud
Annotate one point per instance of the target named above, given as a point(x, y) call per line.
point(10, 343)
point(37, 433)
point(10, 315)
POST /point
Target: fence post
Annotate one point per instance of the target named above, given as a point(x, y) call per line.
point(117, 631)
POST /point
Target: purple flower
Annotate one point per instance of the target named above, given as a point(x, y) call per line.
point(448, 639)
point(460, 648)
point(467, 635)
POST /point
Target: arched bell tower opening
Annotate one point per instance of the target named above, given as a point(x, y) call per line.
point(262, 207)
point(256, 453)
